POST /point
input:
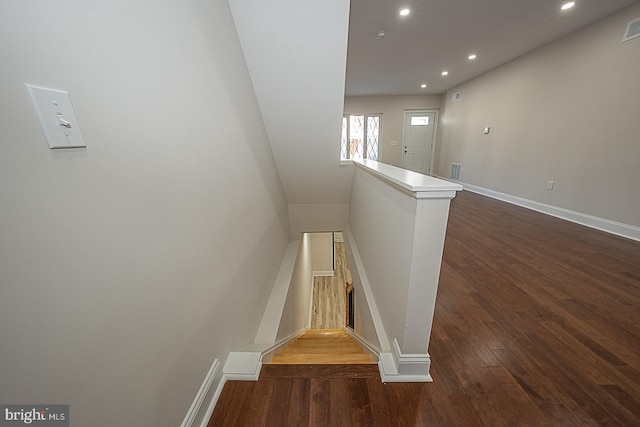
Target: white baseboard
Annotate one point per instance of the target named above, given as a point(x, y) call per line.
point(201, 395)
point(243, 366)
point(362, 342)
point(240, 366)
point(608, 226)
point(283, 342)
point(405, 368)
point(212, 403)
point(324, 273)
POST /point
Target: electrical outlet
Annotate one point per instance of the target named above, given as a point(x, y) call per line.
point(550, 185)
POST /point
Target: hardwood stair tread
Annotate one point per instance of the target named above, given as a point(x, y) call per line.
point(329, 359)
point(323, 346)
point(313, 344)
point(330, 350)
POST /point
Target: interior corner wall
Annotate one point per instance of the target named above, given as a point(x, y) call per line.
point(567, 112)
point(392, 108)
point(312, 218)
point(127, 267)
point(295, 315)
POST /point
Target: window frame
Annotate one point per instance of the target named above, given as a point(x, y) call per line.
point(366, 116)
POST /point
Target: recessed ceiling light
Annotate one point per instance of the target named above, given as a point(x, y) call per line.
point(445, 73)
point(405, 12)
point(423, 85)
point(568, 5)
point(472, 57)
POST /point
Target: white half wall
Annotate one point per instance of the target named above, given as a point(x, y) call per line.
point(567, 112)
point(400, 240)
point(129, 267)
point(397, 225)
point(381, 221)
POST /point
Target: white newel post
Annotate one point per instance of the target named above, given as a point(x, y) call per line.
point(398, 220)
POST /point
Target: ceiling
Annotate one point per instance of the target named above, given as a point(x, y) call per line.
point(439, 35)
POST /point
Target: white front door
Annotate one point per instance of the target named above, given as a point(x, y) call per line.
point(418, 140)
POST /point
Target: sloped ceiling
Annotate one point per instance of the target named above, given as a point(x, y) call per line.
point(296, 54)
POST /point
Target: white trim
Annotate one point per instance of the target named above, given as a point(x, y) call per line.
point(192, 413)
point(245, 364)
point(283, 342)
point(409, 181)
point(214, 400)
point(362, 342)
point(242, 366)
point(323, 273)
point(406, 368)
point(313, 284)
point(395, 366)
point(268, 329)
point(602, 224)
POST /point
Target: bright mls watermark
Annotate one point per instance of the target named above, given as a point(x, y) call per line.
point(34, 415)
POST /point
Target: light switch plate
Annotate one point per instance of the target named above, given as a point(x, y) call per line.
point(57, 117)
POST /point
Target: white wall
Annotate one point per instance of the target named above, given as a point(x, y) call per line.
point(382, 220)
point(322, 252)
point(309, 218)
point(128, 266)
point(392, 109)
point(296, 52)
point(364, 322)
point(295, 315)
point(567, 112)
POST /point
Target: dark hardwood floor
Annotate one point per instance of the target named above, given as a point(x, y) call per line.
point(537, 323)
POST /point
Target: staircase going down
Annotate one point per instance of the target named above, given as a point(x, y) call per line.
point(325, 347)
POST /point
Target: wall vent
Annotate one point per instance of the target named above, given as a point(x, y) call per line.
point(632, 31)
point(456, 96)
point(456, 170)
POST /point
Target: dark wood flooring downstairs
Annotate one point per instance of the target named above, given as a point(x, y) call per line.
point(537, 323)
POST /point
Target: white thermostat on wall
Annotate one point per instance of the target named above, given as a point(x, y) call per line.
point(57, 117)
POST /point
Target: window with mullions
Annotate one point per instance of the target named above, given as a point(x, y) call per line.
point(360, 136)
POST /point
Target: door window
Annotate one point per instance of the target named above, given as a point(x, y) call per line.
point(420, 121)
